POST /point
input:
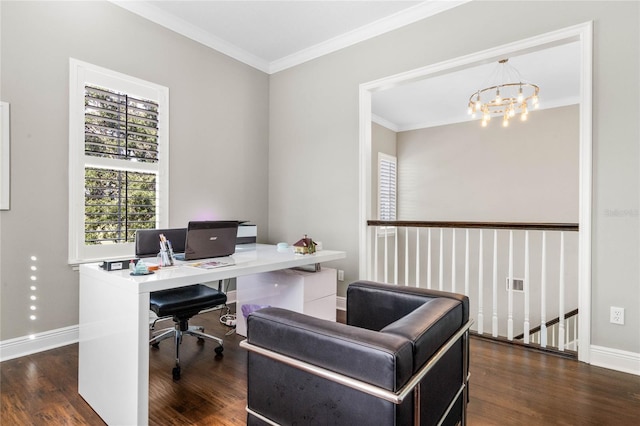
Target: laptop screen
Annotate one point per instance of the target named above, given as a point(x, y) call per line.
point(206, 239)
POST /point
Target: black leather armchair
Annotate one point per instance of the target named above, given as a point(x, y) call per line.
point(402, 358)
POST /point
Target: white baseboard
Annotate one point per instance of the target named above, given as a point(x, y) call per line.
point(27, 345)
point(341, 303)
point(615, 359)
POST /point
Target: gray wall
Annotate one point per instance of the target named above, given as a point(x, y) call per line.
point(314, 126)
point(218, 138)
point(527, 172)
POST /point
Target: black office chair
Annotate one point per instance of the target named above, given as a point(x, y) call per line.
point(178, 303)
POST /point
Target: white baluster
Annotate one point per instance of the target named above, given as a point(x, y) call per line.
point(527, 325)
point(510, 292)
point(417, 257)
point(441, 262)
point(386, 254)
point(406, 256)
point(395, 257)
point(466, 263)
point(453, 260)
point(429, 259)
point(480, 285)
point(543, 293)
point(494, 318)
point(575, 332)
point(375, 254)
point(561, 296)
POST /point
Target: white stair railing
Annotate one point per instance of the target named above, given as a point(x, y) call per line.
point(564, 338)
point(544, 255)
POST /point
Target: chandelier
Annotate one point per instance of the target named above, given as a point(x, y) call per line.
point(510, 97)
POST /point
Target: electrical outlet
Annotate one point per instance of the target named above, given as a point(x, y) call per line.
point(617, 315)
point(340, 275)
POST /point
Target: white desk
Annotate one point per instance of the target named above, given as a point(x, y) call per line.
point(113, 366)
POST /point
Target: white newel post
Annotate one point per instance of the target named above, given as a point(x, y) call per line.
point(543, 293)
point(527, 325)
point(494, 318)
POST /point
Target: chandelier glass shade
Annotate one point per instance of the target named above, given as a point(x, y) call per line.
point(510, 97)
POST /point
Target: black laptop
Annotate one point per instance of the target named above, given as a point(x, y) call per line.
point(207, 239)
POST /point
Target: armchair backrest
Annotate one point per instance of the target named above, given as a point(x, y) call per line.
point(367, 297)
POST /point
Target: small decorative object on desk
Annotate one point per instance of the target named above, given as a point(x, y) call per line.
point(305, 246)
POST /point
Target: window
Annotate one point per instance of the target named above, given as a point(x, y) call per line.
point(387, 175)
point(118, 174)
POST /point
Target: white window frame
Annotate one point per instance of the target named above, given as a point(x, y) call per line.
point(80, 74)
point(382, 157)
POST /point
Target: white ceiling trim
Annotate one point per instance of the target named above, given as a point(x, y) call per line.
point(385, 123)
point(381, 26)
point(433, 123)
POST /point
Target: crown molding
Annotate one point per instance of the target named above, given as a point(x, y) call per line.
point(376, 28)
point(385, 123)
point(558, 103)
point(381, 26)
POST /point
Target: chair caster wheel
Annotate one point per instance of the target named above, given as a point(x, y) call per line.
point(155, 345)
point(176, 373)
point(200, 341)
point(219, 350)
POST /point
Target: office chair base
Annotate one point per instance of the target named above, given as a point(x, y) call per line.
point(176, 333)
point(176, 373)
point(166, 333)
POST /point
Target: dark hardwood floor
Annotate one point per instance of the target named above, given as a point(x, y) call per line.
point(510, 385)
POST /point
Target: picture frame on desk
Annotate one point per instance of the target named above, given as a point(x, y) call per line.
point(5, 156)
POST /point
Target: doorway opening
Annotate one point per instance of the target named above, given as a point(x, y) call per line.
point(582, 34)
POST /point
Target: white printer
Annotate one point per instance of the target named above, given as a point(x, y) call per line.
point(247, 234)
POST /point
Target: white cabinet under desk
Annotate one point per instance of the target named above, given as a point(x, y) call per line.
point(311, 293)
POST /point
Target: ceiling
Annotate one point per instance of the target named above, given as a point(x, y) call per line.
point(443, 99)
point(275, 35)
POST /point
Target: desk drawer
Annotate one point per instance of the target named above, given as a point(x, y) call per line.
point(324, 308)
point(320, 284)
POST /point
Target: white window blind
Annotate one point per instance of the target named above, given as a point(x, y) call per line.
point(387, 182)
point(118, 174)
point(118, 201)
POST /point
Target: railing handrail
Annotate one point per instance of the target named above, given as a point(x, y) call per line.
point(477, 225)
point(548, 324)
